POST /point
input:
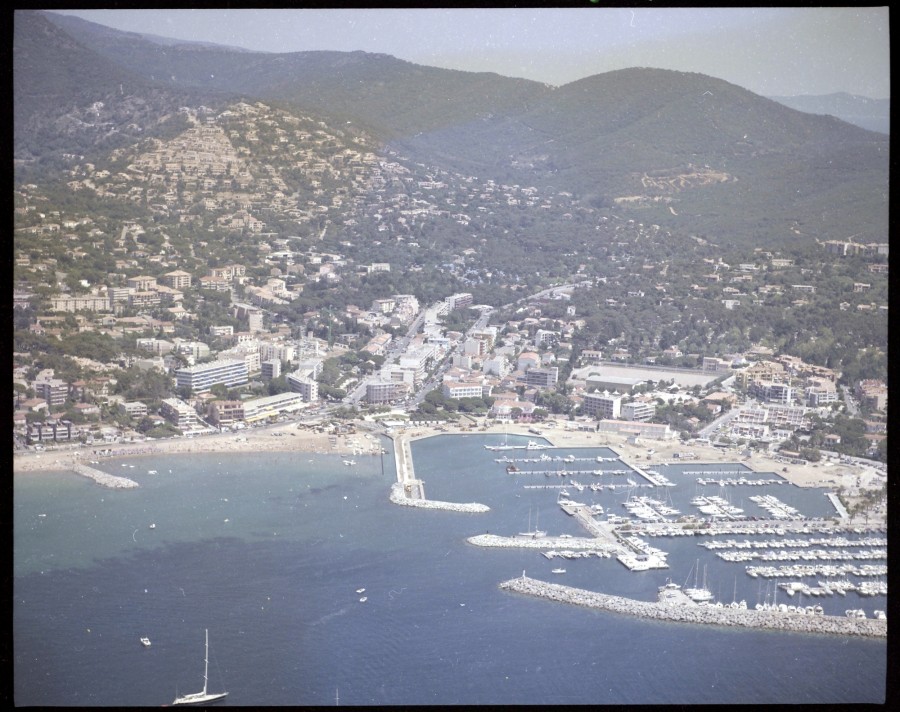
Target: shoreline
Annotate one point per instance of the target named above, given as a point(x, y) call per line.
point(288, 438)
point(663, 451)
point(282, 438)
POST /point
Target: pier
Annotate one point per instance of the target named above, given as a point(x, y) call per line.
point(410, 492)
point(838, 505)
point(675, 609)
point(103, 478)
point(406, 475)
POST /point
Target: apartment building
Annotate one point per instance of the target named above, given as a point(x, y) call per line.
point(458, 301)
point(54, 390)
point(200, 378)
point(639, 411)
point(300, 382)
point(602, 406)
point(541, 377)
point(270, 369)
point(384, 391)
point(226, 412)
point(88, 302)
point(180, 414)
point(177, 279)
point(462, 389)
point(133, 409)
point(141, 283)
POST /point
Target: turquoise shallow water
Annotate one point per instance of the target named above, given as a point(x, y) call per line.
point(276, 586)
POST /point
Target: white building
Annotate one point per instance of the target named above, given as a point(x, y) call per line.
point(200, 378)
point(604, 405)
point(638, 411)
point(300, 382)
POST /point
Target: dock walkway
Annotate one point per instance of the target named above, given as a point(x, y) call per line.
point(839, 507)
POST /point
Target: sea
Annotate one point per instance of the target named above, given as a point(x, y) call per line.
point(270, 552)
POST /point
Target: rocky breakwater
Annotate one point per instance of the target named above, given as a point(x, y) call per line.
point(700, 614)
point(103, 478)
point(398, 496)
point(545, 542)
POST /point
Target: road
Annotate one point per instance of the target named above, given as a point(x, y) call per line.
point(398, 347)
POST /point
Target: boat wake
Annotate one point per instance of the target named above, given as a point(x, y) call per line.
point(329, 616)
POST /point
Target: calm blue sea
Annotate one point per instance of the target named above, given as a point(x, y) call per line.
point(267, 552)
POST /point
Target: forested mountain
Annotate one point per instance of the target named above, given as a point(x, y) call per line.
point(69, 99)
point(672, 148)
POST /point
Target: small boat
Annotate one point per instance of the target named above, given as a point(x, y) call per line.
point(145, 642)
point(202, 697)
point(360, 590)
point(151, 472)
point(153, 526)
point(559, 571)
point(363, 599)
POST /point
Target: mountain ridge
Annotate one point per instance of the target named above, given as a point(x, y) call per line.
point(672, 145)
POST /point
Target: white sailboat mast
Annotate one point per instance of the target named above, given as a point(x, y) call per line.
point(206, 662)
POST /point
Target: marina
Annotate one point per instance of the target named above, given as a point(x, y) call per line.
point(784, 544)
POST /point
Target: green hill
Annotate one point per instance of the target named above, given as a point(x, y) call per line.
point(682, 150)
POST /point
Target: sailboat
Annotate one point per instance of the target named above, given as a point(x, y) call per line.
point(699, 594)
point(199, 698)
point(533, 533)
point(505, 445)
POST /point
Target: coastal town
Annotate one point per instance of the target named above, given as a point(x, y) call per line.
point(256, 303)
point(373, 358)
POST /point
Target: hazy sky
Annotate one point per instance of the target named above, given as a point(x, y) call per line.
point(770, 51)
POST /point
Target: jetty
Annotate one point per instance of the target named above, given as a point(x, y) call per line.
point(104, 478)
point(399, 496)
point(677, 609)
point(410, 492)
point(546, 542)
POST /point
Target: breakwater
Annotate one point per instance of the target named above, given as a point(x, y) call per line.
point(398, 496)
point(544, 542)
point(700, 614)
point(103, 478)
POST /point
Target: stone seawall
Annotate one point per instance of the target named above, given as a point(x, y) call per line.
point(398, 496)
point(705, 615)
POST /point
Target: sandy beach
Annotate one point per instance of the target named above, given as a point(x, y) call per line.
point(281, 438)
